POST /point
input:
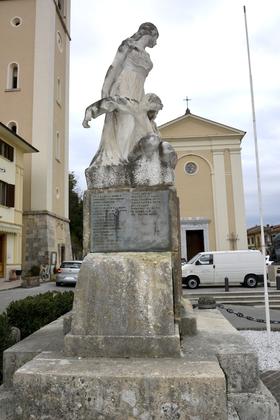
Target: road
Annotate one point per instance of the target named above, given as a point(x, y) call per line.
point(7, 296)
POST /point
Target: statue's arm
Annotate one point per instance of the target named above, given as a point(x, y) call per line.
point(103, 106)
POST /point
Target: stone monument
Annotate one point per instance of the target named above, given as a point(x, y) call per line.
point(124, 352)
point(127, 301)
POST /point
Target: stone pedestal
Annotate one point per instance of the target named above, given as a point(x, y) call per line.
point(129, 307)
point(143, 219)
point(127, 300)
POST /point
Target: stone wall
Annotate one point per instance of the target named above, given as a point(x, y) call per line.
point(44, 233)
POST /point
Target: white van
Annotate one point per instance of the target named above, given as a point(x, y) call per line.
point(212, 267)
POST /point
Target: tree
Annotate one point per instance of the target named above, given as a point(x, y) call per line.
point(76, 217)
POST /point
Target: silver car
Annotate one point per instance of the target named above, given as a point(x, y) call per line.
point(68, 272)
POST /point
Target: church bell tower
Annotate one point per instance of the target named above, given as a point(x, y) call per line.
point(34, 102)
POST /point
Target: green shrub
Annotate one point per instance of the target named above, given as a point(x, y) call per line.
point(6, 339)
point(34, 312)
point(34, 271)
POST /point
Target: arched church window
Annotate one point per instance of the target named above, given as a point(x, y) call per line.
point(13, 126)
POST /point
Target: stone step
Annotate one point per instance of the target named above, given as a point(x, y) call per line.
point(245, 302)
point(120, 388)
point(191, 295)
point(235, 296)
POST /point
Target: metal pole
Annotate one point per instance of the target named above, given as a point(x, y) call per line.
point(226, 284)
point(266, 300)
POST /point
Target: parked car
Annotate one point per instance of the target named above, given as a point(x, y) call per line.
point(205, 268)
point(68, 272)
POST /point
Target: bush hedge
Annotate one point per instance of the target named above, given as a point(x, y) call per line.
point(6, 339)
point(30, 314)
point(34, 312)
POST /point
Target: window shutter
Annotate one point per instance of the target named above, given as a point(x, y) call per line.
point(10, 195)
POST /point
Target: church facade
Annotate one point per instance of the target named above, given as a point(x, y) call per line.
point(34, 89)
point(209, 184)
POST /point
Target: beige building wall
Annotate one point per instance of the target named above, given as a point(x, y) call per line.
point(11, 172)
point(212, 197)
point(39, 44)
point(17, 46)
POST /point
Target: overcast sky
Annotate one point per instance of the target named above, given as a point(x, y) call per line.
point(201, 52)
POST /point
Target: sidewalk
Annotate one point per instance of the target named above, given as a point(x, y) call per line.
point(7, 285)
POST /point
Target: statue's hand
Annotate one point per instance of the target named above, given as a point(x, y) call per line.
point(88, 116)
point(85, 123)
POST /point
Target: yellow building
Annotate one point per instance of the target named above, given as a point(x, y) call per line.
point(12, 150)
point(254, 236)
point(209, 184)
point(34, 79)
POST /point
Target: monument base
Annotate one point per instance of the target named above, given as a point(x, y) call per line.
point(125, 346)
point(130, 307)
point(119, 389)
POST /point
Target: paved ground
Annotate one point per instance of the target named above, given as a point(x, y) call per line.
point(257, 312)
point(6, 285)
point(7, 296)
point(271, 379)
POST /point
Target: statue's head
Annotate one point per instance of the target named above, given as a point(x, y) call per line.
point(152, 103)
point(149, 30)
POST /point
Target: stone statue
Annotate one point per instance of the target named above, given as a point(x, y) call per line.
point(129, 125)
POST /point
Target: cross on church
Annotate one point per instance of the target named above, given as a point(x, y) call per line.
point(187, 99)
point(232, 238)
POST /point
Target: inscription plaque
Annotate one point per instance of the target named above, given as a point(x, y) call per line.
point(130, 221)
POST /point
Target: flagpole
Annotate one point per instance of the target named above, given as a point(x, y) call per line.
point(266, 299)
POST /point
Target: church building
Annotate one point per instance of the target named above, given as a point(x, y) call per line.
point(209, 184)
point(34, 89)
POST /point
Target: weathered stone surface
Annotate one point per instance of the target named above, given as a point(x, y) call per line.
point(240, 366)
point(7, 404)
point(67, 321)
point(131, 151)
point(171, 226)
point(232, 413)
point(219, 339)
point(48, 338)
point(188, 324)
point(214, 333)
point(134, 220)
point(125, 219)
point(143, 172)
point(130, 308)
point(42, 232)
point(260, 405)
point(119, 389)
point(30, 282)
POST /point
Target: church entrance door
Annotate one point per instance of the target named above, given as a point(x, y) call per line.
point(195, 242)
